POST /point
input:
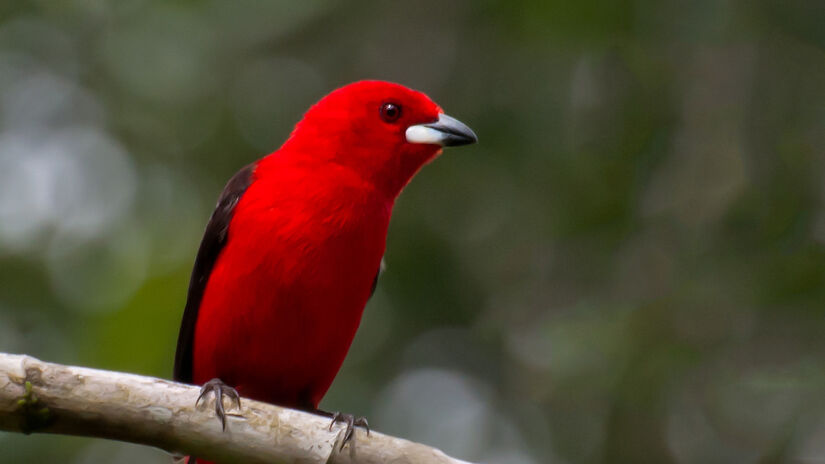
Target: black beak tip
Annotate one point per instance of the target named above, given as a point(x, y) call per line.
point(456, 139)
point(455, 132)
point(451, 132)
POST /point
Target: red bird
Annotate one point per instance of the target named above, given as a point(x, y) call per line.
point(292, 251)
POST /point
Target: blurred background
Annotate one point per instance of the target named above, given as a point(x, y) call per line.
point(630, 266)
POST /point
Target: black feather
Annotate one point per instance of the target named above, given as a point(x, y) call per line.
point(214, 239)
point(375, 279)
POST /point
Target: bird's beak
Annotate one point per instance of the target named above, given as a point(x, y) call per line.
point(447, 132)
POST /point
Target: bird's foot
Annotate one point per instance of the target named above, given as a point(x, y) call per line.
point(350, 421)
point(218, 388)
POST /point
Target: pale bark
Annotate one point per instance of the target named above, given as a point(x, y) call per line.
point(155, 412)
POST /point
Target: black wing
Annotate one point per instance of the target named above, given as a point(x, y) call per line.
point(375, 279)
point(214, 239)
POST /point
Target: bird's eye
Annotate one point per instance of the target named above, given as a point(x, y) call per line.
point(390, 112)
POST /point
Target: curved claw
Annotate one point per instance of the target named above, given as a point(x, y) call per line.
point(351, 422)
point(219, 389)
point(362, 422)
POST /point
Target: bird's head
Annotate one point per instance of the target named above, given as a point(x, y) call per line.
point(384, 131)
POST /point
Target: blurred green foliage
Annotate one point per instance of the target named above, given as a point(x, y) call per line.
point(628, 268)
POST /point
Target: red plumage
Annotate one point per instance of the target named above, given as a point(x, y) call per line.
point(286, 295)
point(290, 256)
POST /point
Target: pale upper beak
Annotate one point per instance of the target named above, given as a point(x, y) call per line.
point(447, 132)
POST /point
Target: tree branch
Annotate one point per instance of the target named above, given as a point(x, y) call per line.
point(36, 396)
